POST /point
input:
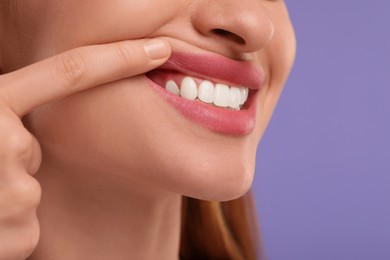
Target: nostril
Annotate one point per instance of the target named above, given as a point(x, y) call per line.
point(228, 35)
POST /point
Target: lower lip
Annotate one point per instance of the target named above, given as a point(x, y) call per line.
point(232, 122)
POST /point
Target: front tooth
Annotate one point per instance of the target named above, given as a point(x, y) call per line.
point(234, 98)
point(222, 95)
point(172, 87)
point(243, 95)
point(188, 88)
point(206, 91)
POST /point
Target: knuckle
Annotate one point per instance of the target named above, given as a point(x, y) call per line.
point(31, 234)
point(35, 158)
point(26, 195)
point(125, 53)
point(16, 142)
point(20, 240)
point(72, 68)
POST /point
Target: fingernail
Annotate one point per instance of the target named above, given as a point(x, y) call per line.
point(156, 49)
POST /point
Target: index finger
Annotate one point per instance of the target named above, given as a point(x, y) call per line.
point(77, 70)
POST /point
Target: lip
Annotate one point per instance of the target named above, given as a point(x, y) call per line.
point(217, 69)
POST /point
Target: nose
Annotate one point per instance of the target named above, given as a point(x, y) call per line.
point(242, 25)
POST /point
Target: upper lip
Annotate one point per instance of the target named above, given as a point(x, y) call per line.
point(216, 67)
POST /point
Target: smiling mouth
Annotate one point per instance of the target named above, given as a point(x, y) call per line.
point(210, 90)
point(206, 91)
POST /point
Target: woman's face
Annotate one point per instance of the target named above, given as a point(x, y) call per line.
point(132, 128)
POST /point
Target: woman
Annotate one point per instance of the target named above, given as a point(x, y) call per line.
point(117, 143)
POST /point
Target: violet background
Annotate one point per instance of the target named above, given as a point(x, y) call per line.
point(322, 181)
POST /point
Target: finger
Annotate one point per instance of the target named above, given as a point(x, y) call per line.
point(19, 149)
point(20, 195)
point(34, 162)
point(18, 240)
point(79, 69)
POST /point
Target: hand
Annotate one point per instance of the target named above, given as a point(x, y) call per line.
point(20, 154)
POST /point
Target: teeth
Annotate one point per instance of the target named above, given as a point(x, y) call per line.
point(172, 87)
point(206, 91)
point(220, 95)
point(235, 96)
point(243, 95)
point(188, 89)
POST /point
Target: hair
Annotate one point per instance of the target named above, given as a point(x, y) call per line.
point(220, 230)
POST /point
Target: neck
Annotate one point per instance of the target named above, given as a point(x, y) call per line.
point(92, 215)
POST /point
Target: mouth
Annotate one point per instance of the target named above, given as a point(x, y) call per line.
point(212, 91)
point(193, 88)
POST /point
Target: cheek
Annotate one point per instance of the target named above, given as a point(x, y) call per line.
point(55, 28)
point(283, 44)
point(279, 56)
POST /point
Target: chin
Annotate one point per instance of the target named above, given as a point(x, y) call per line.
point(223, 184)
point(211, 176)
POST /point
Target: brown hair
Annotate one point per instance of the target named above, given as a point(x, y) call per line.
point(220, 230)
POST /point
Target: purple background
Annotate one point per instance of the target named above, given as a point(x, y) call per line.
point(322, 180)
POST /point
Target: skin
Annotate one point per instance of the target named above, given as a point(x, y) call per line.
point(116, 158)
